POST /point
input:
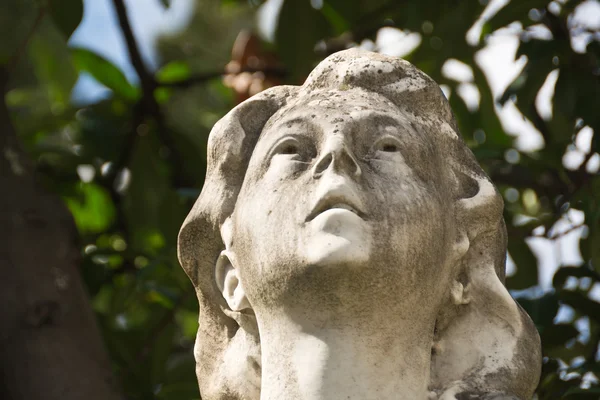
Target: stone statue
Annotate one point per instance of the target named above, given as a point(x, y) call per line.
point(347, 245)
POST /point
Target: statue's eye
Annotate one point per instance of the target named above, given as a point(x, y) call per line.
point(389, 148)
point(292, 149)
point(289, 148)
point(387, 144)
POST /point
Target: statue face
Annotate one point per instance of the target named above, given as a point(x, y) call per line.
point(351, 213)
point(340, 186)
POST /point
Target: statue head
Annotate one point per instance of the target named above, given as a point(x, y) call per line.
point(307, 188)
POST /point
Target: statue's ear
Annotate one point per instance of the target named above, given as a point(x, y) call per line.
point(227, 276)
point(229, 283)
point(484, 342)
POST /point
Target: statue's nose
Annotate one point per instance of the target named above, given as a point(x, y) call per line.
point(338, 157)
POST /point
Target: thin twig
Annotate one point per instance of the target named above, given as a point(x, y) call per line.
point(561, 234)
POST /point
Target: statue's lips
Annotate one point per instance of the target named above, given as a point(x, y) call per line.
point(334, 216)
point(335, 203)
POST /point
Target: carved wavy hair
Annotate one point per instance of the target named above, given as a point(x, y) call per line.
point(480, 348)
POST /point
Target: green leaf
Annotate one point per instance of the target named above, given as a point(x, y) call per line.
point(527, 84)
point(104, 72)
point(165, 3)
point(66, 14)
point(562, 274)
point(580, 302)
point(161, 295)
point(299, 28)
point(587, 88)
point(49, 55)
point(188, 321)
point(173, 72)
point(593, 241)
point(181, 368)
point(103, 131)
point(36, 114)
point(179, 391)
point(335, 18)
point(161, 348)
point(17, 20)
point(341, 13)
point(465, 118)
point(558, 335)
point(515, 11)
point(94, 275)
point(92, 208)
point(576, 393)
point(488, 119)
point(526, 263)
point(143, 202)
point(541, 310)
point(162, 95)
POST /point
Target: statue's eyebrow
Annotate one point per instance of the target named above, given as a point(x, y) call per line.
point(296, 120)
point(382, 119)
point(277, 127)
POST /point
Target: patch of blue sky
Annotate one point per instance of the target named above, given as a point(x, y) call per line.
point(99, 31)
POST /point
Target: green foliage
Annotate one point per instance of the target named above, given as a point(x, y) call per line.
point(48, 52)
point(105, 73)
point(299, 28)
point(173, 72)
point(91, 207)
point(147, 150)
point(66, 14)
point(16, 23)
point(522, 255)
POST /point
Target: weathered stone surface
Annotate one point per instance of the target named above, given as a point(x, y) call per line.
point(347, 245)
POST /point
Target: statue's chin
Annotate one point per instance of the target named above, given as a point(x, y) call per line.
point(338, 237)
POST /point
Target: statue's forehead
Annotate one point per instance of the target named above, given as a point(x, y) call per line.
point(343, 100)
point(334, 105)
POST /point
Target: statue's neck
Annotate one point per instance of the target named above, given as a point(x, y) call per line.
point(385, 358)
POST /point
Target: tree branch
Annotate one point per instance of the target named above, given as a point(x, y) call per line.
point(146, 79)
point(148, 84)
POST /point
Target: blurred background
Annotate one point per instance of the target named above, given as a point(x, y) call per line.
point(105, 114)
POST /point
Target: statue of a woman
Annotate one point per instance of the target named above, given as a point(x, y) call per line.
point(347, 245)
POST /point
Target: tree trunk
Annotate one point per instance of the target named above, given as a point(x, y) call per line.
point(50, 346)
